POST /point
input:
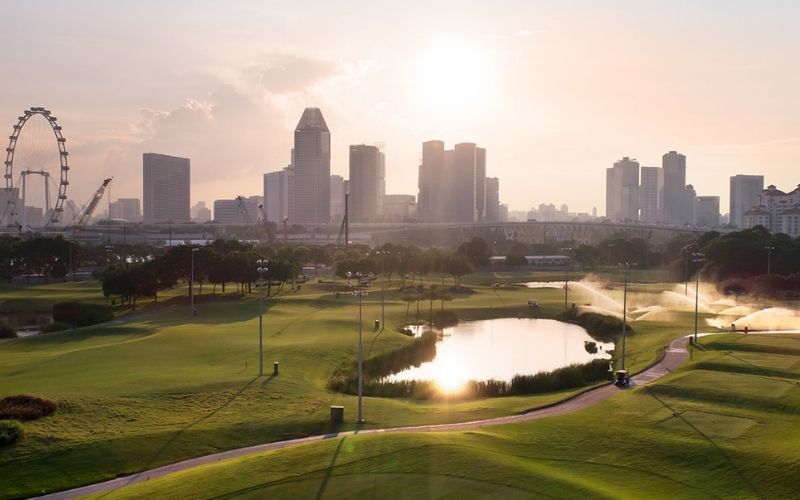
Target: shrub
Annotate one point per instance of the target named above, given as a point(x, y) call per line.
point(7, 331)
point(10, 432)
point(599, 326)
point(81, 314)
point(25, 407)
point(444, 319)
point(591, 347)
point(55, 326)
point(567, 377)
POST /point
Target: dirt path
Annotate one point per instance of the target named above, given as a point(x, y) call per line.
point(675, 355)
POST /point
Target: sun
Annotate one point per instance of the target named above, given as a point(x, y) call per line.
point(452, 76)
point(450, 379)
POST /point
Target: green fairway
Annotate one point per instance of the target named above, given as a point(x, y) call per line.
point(700, 434)
point(158, 386)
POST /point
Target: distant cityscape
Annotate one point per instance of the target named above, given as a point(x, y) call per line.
point(454, 186)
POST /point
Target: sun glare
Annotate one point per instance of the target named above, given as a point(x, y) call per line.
point(450, 379)
point(452, 76)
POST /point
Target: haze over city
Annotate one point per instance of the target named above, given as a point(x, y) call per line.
point(556, 93)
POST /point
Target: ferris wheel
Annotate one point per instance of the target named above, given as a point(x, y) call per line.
point(34, 152)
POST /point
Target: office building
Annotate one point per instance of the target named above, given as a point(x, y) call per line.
point(744, 193)
point(651, 192)
point(127, 209)
point(432, 180)
point(678, 199)
point(366, 183)
point(239, 210)
point(337, 198)
point(707, 211)
point(166, 188)
point(200, 212)
point(311, 161)
point(399, 207)
point(480, 184)
point(492, 199)
point(9, 202)
point(278, 189)
point(622, 191)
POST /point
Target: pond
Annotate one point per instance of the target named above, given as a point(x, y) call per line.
point(501, 348)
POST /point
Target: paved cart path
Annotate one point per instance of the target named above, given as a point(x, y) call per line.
point(674, 355)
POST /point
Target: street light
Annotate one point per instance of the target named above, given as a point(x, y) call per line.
point(697, 258)
point(382, 253)
point(360, 294)
point(566, 277)
point(769, 249)
point(262, 268)
point(191, 285)
point(626, 265)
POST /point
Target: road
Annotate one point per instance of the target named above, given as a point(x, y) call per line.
point(674, 355)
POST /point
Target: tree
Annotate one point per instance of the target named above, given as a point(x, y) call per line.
point(457, 267)
point(476, 251)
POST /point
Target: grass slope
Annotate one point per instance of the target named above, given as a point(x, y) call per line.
point(701, 433)
point(158, 386)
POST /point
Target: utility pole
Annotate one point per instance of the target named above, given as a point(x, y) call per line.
point(697, 259)
point(624, 311)
point(191, 285)
point(360, 294)
point(566, 278)
point(262, 268)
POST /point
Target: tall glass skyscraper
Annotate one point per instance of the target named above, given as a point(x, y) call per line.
point(311, 161)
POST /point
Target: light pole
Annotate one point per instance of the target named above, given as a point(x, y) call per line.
point(191, 285)
point(769, 249)
point(360, 294)
point(566, 277)
point(382, 253)
point(698, 258)
point(610, 246)
point(262, 268)
point(624, 309)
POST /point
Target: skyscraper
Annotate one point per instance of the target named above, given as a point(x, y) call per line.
point(430, 201)
point(278, 195)
point(366, 163)
point(337, 198)
point(312, 169)
point(677, 207)
point(622, 191)
point(492, 189)
point(462, 181)
point(166, 188)
point(745, 190)
point(651, 192)
point(480, 184)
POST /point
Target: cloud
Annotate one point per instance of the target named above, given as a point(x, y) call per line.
point(284, 73)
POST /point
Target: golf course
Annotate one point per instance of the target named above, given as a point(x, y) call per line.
point(157, 386)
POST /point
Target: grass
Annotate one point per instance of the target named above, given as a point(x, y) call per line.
point(717, 435)
point(158, 386)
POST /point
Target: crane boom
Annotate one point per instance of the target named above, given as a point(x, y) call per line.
point(86, 213)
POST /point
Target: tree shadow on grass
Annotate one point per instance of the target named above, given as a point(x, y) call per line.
point(329, 470)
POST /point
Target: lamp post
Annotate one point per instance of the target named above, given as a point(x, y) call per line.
point(382, 253)
point(624, 309)
point(360, 294)
point(262, 268)
point(697, 258)
point(769, 249)
point(566, 277)
point(191, 285)
point(610, 246)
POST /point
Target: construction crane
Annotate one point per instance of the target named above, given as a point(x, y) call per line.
point(86, 211)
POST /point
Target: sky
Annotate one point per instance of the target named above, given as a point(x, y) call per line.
point(556, 91)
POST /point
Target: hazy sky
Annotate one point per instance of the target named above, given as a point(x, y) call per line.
point(556, 91)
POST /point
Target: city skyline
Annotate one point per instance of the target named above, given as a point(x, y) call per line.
point(229, 100)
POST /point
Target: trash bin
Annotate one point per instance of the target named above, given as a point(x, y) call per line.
point(275, 368)
point(377, 324)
